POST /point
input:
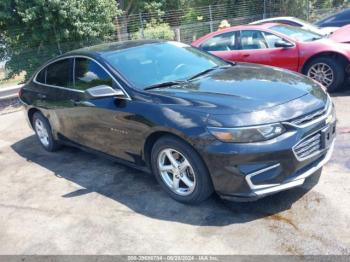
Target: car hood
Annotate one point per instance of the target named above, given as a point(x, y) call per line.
point(341, 35)
point(241, 88)
point(328, 30)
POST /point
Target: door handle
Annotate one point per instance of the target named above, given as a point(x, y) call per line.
point(246, 55)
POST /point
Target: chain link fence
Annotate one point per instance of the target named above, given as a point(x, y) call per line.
point(192, 23)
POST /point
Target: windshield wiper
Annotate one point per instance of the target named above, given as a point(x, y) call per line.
point(179, 82)
point(210, 69)
point(164, 84)
point(203, 72)
point(315, 38)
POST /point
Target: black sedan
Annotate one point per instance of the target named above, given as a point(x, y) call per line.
point(196, 122)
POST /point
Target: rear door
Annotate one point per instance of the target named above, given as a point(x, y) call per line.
point(257, 46)
point(52, 90)
point(222, 45)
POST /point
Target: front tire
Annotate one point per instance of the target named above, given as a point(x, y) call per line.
point(43, 132)
point(327, 71)
point(180, 171)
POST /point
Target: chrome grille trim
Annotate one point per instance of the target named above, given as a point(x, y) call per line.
point(308, 147)
point(312, 118)
point(309, 141)
point(309, 117)
point(248, 177)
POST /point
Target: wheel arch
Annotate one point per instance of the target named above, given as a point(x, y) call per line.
point(151, 139)
point(156, 135)
point(31, 113)
point(340, 57)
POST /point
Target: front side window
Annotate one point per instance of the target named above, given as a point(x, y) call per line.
point(59, 73)
point(253, 39)
point(272, 39)
point(222, 42)
point(89, 74)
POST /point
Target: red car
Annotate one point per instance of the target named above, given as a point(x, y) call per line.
point(293, 48)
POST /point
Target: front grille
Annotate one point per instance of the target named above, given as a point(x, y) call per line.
point(308, 147)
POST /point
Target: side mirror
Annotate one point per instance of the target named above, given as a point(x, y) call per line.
point(103, 91)
point(283, 44)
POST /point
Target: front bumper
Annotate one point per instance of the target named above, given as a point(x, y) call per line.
point(246, 172)
point(294, 182)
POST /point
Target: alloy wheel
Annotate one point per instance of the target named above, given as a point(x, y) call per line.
point(176, 172)
point(322, 73)
point(42, 132)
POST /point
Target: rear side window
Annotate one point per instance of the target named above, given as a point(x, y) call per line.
point(41, 77)
point(89, 74)
point(272, 39)
point(222, 42)
point(59, 73)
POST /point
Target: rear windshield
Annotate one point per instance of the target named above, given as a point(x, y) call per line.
point(297, 33)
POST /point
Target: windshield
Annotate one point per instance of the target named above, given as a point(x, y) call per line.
point(155, 63)
point(308, 25)
point(297, 33)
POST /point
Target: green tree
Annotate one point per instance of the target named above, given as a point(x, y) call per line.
point(34, 30)
point(155, 31)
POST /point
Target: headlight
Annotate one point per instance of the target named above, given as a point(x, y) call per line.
point(247, 134)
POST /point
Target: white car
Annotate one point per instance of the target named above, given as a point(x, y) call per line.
point(293, 21)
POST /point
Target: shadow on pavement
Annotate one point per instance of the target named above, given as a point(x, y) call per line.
point(141, 193)
point(344, 91)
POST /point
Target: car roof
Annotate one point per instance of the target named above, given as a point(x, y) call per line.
point(249, 26)
point(290, 18)
point(111, 46)
point(265, 26)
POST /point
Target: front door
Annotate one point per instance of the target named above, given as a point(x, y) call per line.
point(223, 45)
point(259, 47)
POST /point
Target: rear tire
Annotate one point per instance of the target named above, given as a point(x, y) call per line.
point(184, 177)
point(43, 132)
point(324, 69)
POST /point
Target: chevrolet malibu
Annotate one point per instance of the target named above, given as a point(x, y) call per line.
point(198, 123)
